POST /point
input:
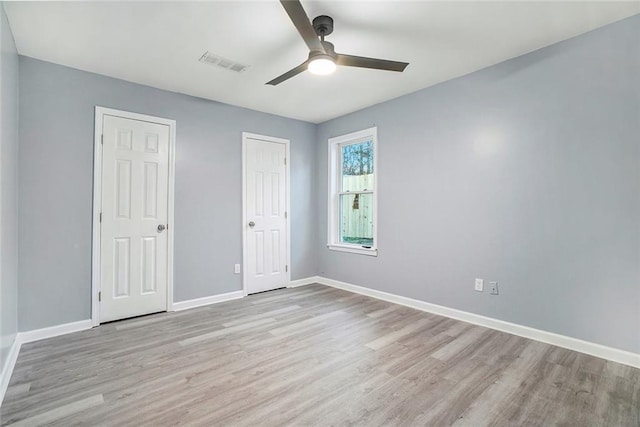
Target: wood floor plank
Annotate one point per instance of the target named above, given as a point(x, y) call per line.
point(293, 327)
point(383, 311)
point(60, 412)
point(396, 335)
point(312, 356)
point(251, 318)
point(226, 331)
point(16, 390)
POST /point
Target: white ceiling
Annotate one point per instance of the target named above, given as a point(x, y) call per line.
point(159, 44)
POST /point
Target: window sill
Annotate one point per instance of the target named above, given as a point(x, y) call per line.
point(354, 249)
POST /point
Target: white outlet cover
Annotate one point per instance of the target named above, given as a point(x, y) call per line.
point(236, 268)
point(479, 285)
point(494, 288)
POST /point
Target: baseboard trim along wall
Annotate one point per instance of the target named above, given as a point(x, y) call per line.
point(54, 331)
point(303, 282)
point(199, 302)
point(593, 349)
point(67, 328)
point(7, 369)
point(31, 336)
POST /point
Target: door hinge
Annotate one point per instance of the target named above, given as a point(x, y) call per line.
point(285, 215)
point(285, 160)
point(102, 139)
point(286, 268)
point(99, 296)
point(100, 216)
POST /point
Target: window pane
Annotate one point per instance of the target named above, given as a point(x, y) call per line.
point(356, 219)
point(357, 166)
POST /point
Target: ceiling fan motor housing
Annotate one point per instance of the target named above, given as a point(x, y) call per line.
point(322, 55)
point(329, 50)
point(323, 25)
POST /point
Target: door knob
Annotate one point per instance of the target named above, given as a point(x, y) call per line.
point(252, 224)
point(161, 228)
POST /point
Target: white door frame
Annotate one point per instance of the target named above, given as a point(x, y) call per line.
point(245, 136)
point(97, 202)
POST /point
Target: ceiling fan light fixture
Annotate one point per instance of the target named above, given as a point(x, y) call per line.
point(322, 65)
point(322, 54)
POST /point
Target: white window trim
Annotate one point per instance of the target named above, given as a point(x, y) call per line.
point(333, 229)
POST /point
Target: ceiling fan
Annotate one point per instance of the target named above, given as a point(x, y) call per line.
point(322, 55)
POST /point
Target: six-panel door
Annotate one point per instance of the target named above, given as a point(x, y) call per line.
point(266, 230)
point(134, 240)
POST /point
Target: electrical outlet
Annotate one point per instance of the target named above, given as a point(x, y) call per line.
point(494, 288)
point(479, 285)
point(236, 269)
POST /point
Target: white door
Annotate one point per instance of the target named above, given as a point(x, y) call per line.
point(134, 244)
point(266, 241)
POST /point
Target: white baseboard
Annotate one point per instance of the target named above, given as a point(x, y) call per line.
point(199, 302)
point(597, 350)
point(9, 364)
point(67, 328)
point(54, 331)
point(31, 336)
point(303, 282)
point(593, 349)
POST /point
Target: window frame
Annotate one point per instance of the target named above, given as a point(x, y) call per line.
point(335, 190)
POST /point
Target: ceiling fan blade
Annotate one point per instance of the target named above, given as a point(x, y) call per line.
point(291, 73)
point(301, 21)
point(378, 64)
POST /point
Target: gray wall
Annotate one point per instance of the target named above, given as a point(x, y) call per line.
point(527, 173)
point(56, 162)
point(8, 188)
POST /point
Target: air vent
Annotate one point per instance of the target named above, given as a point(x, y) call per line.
point(219, 61)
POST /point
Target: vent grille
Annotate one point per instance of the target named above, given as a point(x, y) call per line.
point(219, 61)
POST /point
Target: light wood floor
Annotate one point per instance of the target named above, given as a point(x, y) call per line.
point(312, 356)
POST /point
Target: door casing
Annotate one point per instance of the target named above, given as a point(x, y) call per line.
point(100, 112)
point(245, 137)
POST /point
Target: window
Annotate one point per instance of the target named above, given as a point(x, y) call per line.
point(352, 192)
